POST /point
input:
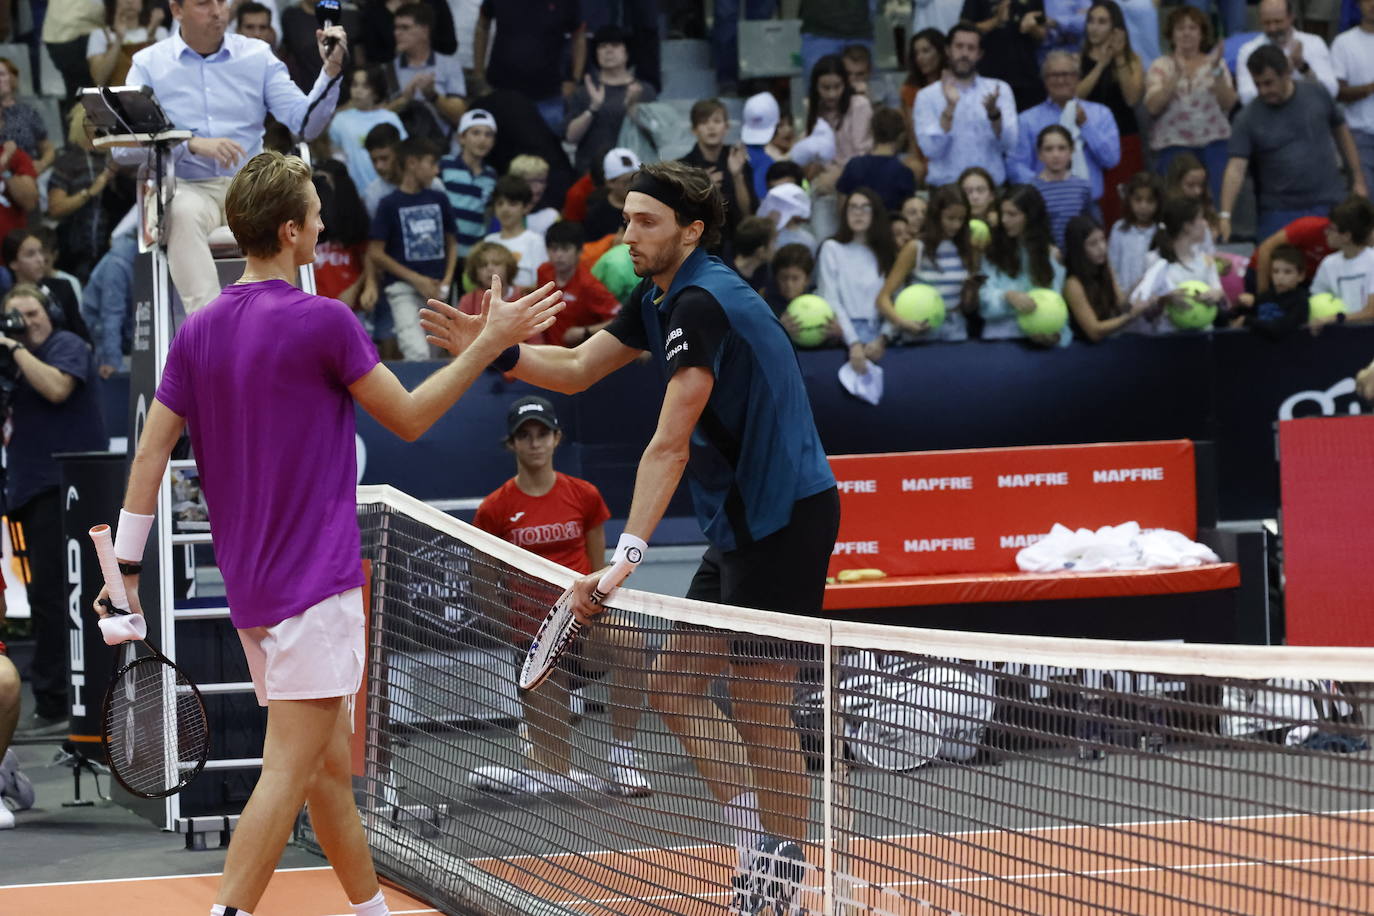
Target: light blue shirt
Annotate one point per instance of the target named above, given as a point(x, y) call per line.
point(227, 94)
point(999, 318)
point(1099, 135)
point(971, 139)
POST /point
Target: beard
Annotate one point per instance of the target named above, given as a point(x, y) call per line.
point(648, 266)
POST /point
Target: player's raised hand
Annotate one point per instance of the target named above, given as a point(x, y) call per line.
point(508, 323)
point(449, 328)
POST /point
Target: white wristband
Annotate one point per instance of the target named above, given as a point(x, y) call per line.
point(121, 628)
point(629, 549)
point(131, 536)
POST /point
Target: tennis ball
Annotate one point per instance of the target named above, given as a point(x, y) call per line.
point(1324, 306)
point(979, 233)
point(1192, 314)
point(1050, 315)
point(921, 302)
point(812, 314)
point(616, 271)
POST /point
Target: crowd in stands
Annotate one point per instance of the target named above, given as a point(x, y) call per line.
point(1095, 148)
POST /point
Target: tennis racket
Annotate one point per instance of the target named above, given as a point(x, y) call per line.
point(153, 725)
point(561, 626)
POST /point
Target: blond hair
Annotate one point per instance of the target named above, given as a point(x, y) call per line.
point(495, 251)
point(526, 166)
point(268, 191)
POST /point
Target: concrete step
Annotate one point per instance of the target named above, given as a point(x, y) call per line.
point(688, 83)
point(690, 53)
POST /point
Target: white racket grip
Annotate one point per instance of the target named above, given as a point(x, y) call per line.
point(109, 567)
point(629, 552)
point(122, 628)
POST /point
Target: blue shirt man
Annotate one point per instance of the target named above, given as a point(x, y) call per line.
point(965, 119)
point(1098, 140)
point(220, 87)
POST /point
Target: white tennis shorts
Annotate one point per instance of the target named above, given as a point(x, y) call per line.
point(314, 655)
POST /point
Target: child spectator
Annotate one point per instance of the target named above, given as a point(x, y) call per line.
point(588, 305)
point(728, 166)
point(1133, 234)
point(1306, 233)
point(850, 274)
point(605, 205)
point(488, 259)
point(1018, 259)
point(981, 192)
point(1096, 300)
point(761, 120)
point(1186, 177)
point(1177, 257)
point(1283, 308)
point(510, 202)
point(341, 249)
point(941, 255)
point(901, 232)
point(792, 267)
point(468, 179)
point(882, 170)
point(349, 128)
point(858, 66)
point(914, 212)
point(1348, 272)
point(790, 207)
point(784, 171)
point(380, 143)
point(1065, 194)
point(412, 246)
point(535, 171)
point(753, 245)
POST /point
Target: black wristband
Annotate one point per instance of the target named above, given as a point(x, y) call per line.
point(130, 569)
point(507, 360)
point(1340, 317)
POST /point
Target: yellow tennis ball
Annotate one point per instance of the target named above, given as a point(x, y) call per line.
point(1324, 306)
point(812, 315)
point(1193, 313)
point(979, 233)
point(1050, 315)
point(920, 302)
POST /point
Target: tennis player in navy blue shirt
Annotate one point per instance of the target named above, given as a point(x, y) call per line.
point(735, 419)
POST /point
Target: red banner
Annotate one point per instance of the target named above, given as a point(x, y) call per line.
point(1328, 503)
point(926, 513)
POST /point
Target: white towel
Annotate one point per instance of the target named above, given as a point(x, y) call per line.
point(1069, 121)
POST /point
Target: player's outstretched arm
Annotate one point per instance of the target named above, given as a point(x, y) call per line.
point(567, 370)
point(409, 414)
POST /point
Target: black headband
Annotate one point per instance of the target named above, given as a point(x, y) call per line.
point(673, 196)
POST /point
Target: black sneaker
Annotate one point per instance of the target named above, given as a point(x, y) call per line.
point(772, 881)
point(36, 726)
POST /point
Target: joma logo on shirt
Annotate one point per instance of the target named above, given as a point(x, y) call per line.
point(546, 534)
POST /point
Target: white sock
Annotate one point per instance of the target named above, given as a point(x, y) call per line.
point(220, 909)
point(742, 813)
point(619, 747)
point(374, 907)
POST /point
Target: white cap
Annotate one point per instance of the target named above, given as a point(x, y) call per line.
point(818, 147)
point(620, 161)
point(477, 117)
point(761, 117)
point(787, 201)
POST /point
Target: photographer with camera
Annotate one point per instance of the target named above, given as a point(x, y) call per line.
point(48, 376)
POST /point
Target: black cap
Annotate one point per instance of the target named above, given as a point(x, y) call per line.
point(530, 408)
point(610, 35)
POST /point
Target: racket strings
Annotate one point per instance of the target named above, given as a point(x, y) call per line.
point(157, 737)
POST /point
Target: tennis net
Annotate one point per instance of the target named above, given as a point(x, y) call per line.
point(921, 771)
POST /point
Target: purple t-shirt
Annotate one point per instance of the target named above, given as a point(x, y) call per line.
point(261, 376)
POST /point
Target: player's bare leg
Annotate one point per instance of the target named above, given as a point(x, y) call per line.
point(763, 696)
point(545, 711)
point(298, 732)
point(334, 816)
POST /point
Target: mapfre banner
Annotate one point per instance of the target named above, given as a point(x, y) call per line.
point(927, 513)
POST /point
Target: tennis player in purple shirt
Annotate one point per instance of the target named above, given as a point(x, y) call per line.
point(267, 378)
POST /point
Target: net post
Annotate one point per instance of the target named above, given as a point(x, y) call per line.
point(828, 774)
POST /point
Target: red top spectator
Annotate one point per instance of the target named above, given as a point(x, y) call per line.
point(18, 188)
point(590, 306)
point(1307, 234)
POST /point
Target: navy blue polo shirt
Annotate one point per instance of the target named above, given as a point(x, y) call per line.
point(755, 451)
point(42, 428)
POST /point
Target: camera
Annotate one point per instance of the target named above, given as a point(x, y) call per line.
point(12, 323)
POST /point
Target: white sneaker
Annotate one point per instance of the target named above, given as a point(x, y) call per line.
point(14, 785)
point(6, 818)
point(526, 782)
point(626, 772)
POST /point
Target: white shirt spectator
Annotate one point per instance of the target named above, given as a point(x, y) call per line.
point(971, 139)
point(1163, 277)
point(528, 248)
point(1127, 250)
point(99, 41)
point(1314, 52)
point(847, 277)
point(1349, 279)
point(1352, 58)
point(465, 13)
